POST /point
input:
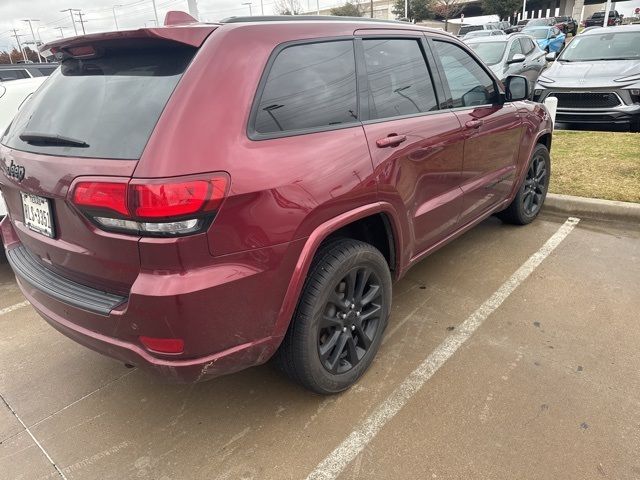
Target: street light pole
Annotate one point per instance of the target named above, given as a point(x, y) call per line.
point(61, 32)
point(155, 12)
point(33, 35)
point(115, 19)
point(17, 36)
point(249, 4)
point(606, 14)
point(71, 10)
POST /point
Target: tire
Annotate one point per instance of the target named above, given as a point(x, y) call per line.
point(330, 343)
point(528, 202)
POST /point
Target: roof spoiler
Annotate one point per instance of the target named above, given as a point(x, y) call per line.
point(179, 27)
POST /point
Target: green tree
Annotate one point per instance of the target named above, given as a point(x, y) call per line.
point(418, 9)
point(502, 8)
point(349, 9)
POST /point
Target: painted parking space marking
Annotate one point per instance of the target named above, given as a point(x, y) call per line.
point(35, 440)
point(13, 307)
point(333, 465)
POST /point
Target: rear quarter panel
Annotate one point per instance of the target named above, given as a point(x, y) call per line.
point(281, 189)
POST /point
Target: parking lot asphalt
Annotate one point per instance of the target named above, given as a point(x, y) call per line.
point(546, 387)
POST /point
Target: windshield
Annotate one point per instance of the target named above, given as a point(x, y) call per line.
point(539, 22)
point(539, 33)
point(603, 46)
point(479, 33)
point(469, 28)
point(108, 105)
point(490, 52)
point(523, 22)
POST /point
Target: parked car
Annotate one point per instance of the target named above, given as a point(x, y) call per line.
point(12, 96)
point(597, 19)
point(515, 54)
point(501, 25)
point(519, 26)
point(224, 218)
point(543, 22)
point(19, 71)
point(483, 33)
point(473, 28)
point(567, 25)
point(597, 78)
point(549, 39)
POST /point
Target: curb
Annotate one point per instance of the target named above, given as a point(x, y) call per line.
point(593, 208)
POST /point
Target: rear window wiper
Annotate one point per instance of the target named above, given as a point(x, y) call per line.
point(52, 139)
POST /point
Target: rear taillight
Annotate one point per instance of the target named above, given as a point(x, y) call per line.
point(168, 207)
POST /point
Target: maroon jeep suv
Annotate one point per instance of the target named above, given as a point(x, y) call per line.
point(197, 198)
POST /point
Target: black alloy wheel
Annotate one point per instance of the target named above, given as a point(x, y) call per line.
point(350, 320)
point(526, 205)
point(340, 319)
point(535, 186)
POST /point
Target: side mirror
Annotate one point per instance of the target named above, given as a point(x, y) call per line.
point(516, 88)
point(517, 58)
point(550, 57)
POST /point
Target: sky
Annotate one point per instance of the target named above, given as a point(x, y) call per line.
point(133, 14)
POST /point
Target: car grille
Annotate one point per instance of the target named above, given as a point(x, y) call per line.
point(586, 99)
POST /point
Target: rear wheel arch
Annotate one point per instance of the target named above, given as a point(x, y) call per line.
point(341, 226)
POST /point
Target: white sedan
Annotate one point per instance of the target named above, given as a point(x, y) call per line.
point(12, 95)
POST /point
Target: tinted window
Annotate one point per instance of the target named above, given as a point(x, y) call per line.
point(309, 86)
point(527, 45)
point(399, 80)
point(470, 28)
point(468, 82)
point(111, 103)
point(13, 74)
point(514, 49)
point(490, 52)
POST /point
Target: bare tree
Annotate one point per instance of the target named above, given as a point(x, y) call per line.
point(287, 7)
point(447, 9)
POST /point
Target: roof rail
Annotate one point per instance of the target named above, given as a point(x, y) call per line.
point(315, 18)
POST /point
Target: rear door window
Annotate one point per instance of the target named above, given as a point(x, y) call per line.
point(309, 86)
point(399, 80)
point(16, 74)
point(108, 106)
point(468, 82)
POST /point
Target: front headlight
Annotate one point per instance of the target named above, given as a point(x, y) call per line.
point(545, 79)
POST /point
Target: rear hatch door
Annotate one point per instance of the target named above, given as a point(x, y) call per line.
point(91, 118)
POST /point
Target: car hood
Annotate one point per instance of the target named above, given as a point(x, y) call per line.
point(591, 74)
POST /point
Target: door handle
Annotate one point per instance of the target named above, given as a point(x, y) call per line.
point(474, 124)
point(391, 140)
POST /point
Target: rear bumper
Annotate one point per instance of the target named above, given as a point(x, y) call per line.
point(179, 370)
point(228, 312)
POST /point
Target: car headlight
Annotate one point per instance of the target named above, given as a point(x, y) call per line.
point(545, 79)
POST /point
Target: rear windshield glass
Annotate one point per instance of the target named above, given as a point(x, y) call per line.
point(469, 28)
point(490, 52)
point(104, 107)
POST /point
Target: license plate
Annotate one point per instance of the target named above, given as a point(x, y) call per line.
point(37, 214)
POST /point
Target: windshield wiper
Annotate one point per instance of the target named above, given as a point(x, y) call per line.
point(52, 139)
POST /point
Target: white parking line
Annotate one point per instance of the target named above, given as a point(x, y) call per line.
point(338, 459)
point(34, 439)
point(13, 307)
